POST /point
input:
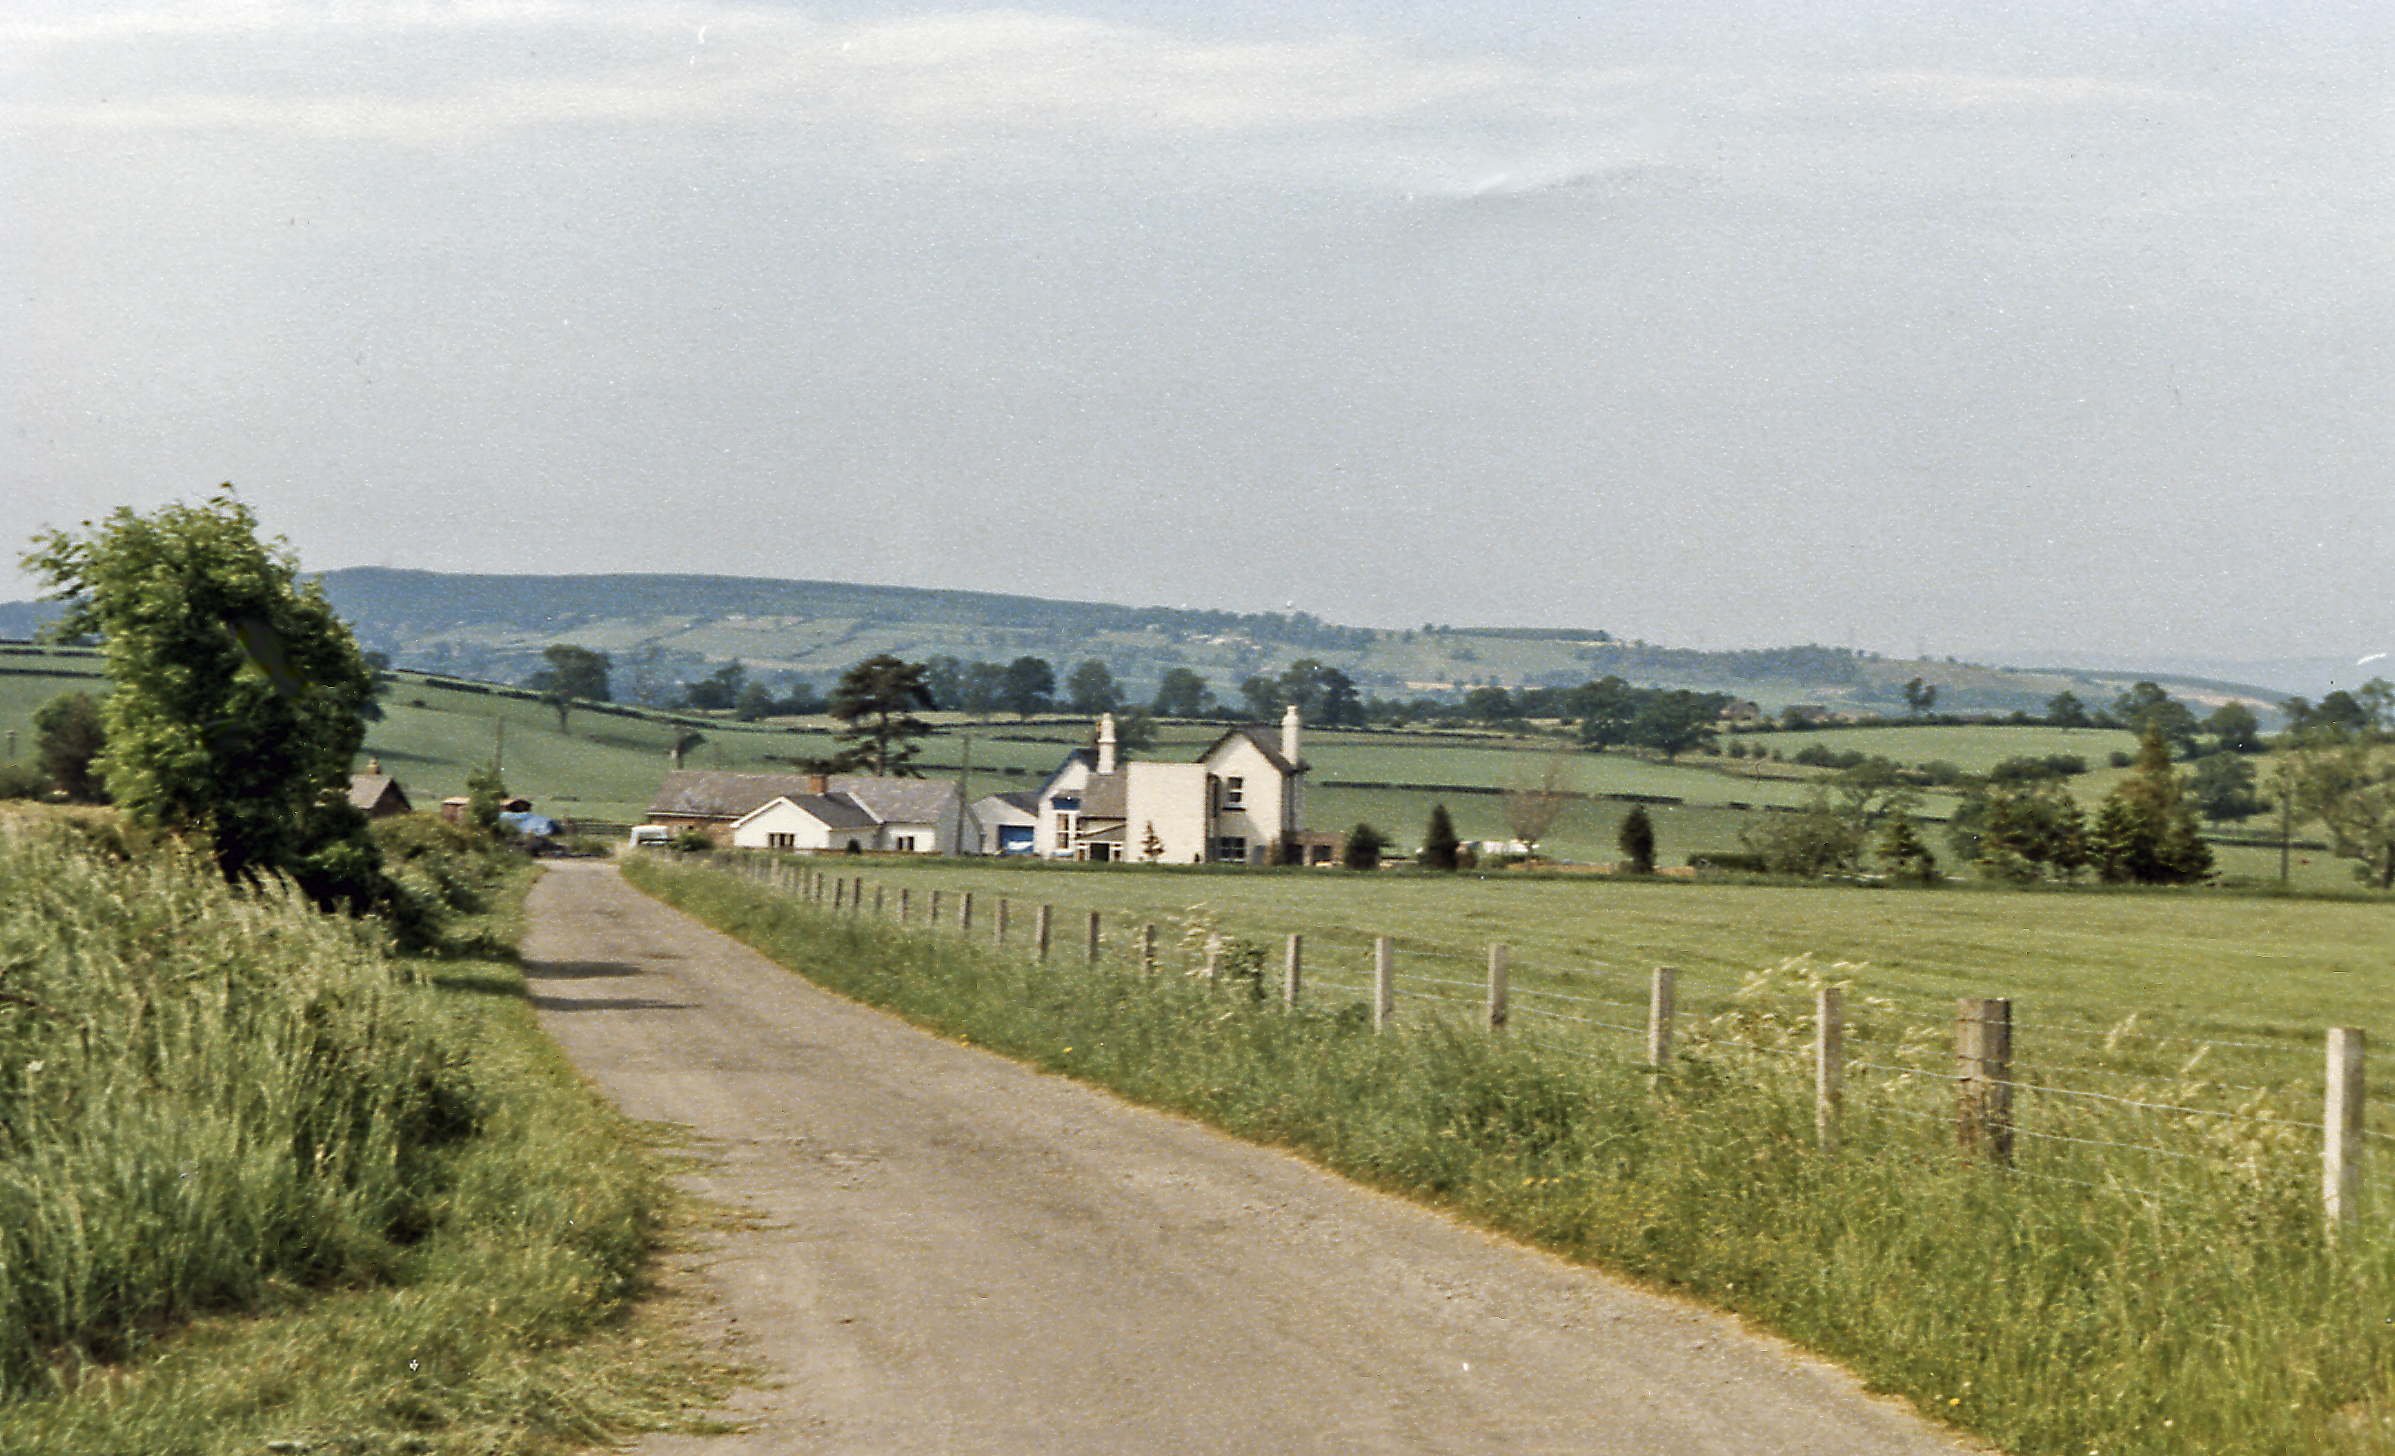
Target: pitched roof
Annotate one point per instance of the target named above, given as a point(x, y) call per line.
point(833, 811)
point(1023, 800)
point(1266, 742)
point(899, 801)
point(1106, 796)
point(368, 790)
point(704, 794)
point(1086, 757)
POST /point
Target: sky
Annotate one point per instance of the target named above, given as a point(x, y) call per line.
point(2016, 332)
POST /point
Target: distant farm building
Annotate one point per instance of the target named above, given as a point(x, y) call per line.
point(819, 812)
point(376, 794)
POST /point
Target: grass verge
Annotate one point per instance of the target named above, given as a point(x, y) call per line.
point(267, 1187)
point(2201, 1312)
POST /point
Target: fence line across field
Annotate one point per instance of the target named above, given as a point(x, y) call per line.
point(1989, 1092)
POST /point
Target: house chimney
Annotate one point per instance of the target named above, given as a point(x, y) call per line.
point(1289, 734)
point(819, 784)
point(1106, 743)
point(374, 766)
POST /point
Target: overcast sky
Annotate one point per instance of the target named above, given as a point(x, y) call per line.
point(2003, 330)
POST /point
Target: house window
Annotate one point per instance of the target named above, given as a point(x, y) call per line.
point(1232, 792)
point(906, 844)
point(781, 841)
point(1231, 849)
point(1064, 832)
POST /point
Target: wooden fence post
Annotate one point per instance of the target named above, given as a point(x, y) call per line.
point(1047, 916)
point(2341, 1141)
point(839, 894)
point(1983, 1078)
point(1293, 970)
point(1660, 994)
point(1497, 987)
point(931, 912)
point(877, 902)
point(1829, 1064)
point(906, 905)
point(1147, 949)
point(998, 923)
point(964, 913)
point(1384, 983)
point(1093, 937)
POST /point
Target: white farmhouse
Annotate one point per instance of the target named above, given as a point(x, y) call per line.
point(1241, 802)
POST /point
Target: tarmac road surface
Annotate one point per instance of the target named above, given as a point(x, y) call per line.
point(959, 1254)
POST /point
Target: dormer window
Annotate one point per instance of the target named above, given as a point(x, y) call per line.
point(1232, 792)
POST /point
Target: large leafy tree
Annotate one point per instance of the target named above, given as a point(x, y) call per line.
point(234, 715)
point(1091, 689)
point(574, 675)
point(1029, 687)
point(2146, 706)
point(69, 738)
point(2347, 783)
point(877, 700)
point(1181, 693)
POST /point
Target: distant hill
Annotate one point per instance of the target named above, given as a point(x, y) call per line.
point(680, 627)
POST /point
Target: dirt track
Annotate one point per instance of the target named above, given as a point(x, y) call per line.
point(962, 1255)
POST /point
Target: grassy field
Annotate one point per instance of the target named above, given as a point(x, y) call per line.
point(2192, 966)
point(261, 1184)
point(606, 767)
point(2100, 1298)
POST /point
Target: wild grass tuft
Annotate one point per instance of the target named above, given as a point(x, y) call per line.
point(2197, 1308)
point(260, 1181)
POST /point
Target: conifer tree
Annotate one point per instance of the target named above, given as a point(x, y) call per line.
point(1439, 843)
point(2145, 833)
point(1637, 841)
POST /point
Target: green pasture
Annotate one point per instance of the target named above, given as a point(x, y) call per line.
point(2138, 1285)
point(607, 766)
point(1972, 747)
point(2189, 964)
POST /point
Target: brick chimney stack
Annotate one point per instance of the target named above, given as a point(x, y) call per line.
point(819, 784)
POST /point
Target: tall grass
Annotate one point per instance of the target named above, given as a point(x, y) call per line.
point(203, 1093)
point(2196, 1308)
point(259, 1181)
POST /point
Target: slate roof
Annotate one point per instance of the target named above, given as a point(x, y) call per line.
point(832, 811)
point(1106, 796)
point(709, 794)
point(367, 791)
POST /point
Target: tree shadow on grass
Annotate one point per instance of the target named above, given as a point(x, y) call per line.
point(480, 984)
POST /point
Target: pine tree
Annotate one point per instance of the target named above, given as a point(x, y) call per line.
point(1637, 841)
point(2145, 833)
point(1439, 843)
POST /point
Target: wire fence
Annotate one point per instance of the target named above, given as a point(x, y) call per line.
point(2133, 1109)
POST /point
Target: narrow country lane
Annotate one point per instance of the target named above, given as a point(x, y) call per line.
point(958, 1254)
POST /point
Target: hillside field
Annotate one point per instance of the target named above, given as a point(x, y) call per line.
point(607, 765)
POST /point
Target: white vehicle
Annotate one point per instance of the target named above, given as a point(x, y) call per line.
point(651, 836)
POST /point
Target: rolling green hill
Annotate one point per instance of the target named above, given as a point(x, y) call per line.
point(607, 762)
point(666, 629)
